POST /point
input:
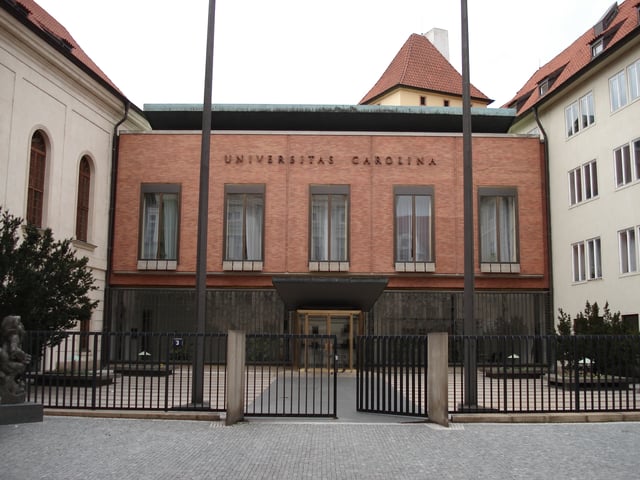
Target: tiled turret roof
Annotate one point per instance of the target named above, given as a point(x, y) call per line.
point(419, 64)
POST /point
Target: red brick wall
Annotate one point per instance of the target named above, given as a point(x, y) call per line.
point(287, 164)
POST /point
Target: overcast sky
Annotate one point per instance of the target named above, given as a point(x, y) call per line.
point(310, 51)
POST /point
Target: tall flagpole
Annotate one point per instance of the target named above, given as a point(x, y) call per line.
point(203, 217)
point(470, 361)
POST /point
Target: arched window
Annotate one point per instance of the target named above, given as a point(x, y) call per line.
point(35, 193)
point(84, 191)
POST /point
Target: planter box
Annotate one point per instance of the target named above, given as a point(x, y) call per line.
point(79, 379)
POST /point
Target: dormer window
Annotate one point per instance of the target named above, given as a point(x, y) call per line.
point(544, 87)
point(606, 19)
point(597, 47)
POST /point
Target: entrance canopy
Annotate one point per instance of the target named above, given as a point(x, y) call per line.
point(352, 293)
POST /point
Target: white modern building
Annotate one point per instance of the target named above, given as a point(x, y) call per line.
point(59, 118)
point(585, 103)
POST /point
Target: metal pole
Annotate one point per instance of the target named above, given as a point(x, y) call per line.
point(470, 367)
point(203, 216)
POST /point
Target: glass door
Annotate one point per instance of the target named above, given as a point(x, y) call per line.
point(320, 353)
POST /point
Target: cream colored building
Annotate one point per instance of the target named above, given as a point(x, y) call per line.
point(59, 117)
point(586, 104)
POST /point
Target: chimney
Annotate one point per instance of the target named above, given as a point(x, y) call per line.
point(440, 39)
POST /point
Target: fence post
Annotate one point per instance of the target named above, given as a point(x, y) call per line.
point(438, 378)
point(236, 348)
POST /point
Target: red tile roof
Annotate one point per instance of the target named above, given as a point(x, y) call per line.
point(419, 64)
point(39, 19)
point(570, 62)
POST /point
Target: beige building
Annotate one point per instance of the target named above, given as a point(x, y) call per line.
point(586, 105)
point(59, 118)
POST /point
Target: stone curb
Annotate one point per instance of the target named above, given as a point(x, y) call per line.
point(134, 414)
point(592, 417)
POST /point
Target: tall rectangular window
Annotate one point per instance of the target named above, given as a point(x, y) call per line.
point(579, 274)
point(618, 91)
point(580, 114)
point(84, 198)
point(594, 263)
point(498, 229)
point(160, 211)
point(627, 163)
point(583, 183)
point(628, 251)
point(35, 190)
point(329, 216)
point(244, 224)
point(633, 71)
point(413, 227)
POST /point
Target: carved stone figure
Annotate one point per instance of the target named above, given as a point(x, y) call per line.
point(13, 361)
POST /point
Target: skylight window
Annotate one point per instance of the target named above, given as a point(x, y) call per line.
point(597, 47)
point(606, 19)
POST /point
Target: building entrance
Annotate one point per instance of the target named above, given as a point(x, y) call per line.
point(344, 324)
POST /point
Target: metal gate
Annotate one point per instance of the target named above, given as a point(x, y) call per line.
point(391, 375)
point(291, 375)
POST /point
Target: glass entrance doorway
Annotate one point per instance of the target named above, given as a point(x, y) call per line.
point(344, 324)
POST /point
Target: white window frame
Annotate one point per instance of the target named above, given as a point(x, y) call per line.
point(626, 163)
point(583, 183)
point(628, 250)
point(618, 91)
point(587, 260)
point(633, 76)
point(579, 115)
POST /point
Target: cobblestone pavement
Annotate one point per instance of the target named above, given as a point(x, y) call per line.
point(96, 448)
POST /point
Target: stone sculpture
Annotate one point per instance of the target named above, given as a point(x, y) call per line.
point(13, 361)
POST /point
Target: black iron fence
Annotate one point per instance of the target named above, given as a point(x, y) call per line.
point(291, 375)
point(392, 375)
point(133, 370)
point(532, 374)
point(286, 375)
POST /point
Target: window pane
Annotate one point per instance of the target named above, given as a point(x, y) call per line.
point(35, 191)
point(338, 245)
point(488, 230)
point(636, 157)
point(423, 228)
point(160, 226)
point(235, 207)
point(404, 228)
point(572, 188)
point(170, 226)
point(571, 118)
point(82, 207)
point(254, 222)
point(320, 227)
point(618, 91)
point(634, 80)
point(150, 220)
point(507, 229)
point(587, 110)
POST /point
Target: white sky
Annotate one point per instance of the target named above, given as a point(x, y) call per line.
point(310, 51)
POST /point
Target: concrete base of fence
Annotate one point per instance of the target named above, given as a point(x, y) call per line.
point(236, 347)
point(21, 413)
point(438, 379)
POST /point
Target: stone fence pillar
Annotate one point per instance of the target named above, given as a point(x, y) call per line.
point(438, 378)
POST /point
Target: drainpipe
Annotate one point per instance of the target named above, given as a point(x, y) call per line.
point(106, 321)
point(548, 211)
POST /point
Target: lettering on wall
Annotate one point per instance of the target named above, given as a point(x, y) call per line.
point(375, 160)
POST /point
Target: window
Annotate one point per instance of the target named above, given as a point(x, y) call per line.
point(329, 228)
point(579, 114)
point(628, 251)
point(159, 229)
point(244, 227)
point(583, 183)
point(571, 119)
point(84, 196)
point(627, 163)
point(594, 265)
point(35, 192)
point(578, 262)
point(423, 100)
point(446, 103)
point(618, 91)
point(414, 229)
point(498, 230)
point(597, 47)
point(633, 71)
point(587, 264)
